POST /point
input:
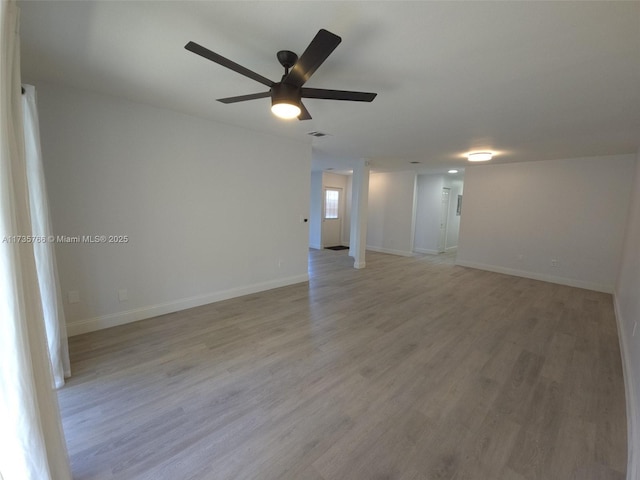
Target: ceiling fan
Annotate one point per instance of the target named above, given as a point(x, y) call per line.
point(287, 94)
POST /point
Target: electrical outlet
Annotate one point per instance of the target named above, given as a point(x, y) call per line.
point(73, 296)
point(123, 295)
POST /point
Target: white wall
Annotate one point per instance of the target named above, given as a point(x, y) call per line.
point(627, 302)
point(315, 212)
point(518, 217)
point(428, 211)
point(207, 209)
point(391, 213)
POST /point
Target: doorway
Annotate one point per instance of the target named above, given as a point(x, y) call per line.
point(332, 217)
point(444, 219)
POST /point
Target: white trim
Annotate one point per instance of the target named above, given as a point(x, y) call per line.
point(128, 316)
point(315, 246)
point(446, 218)
point(427, 251)
point(630, 395)
point(414, 212)
point(538, 276)
point(391, 251)
point(451, 249)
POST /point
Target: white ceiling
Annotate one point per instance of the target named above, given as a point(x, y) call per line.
point(529, 80)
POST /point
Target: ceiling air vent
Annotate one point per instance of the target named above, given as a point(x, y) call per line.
point(317, 134)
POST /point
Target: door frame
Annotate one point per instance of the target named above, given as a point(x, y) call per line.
point(444, 220)
point(341, 209)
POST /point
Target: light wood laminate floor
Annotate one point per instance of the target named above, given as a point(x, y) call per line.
point(410, 369)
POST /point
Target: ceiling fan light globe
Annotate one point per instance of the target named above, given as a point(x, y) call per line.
point(286, 111)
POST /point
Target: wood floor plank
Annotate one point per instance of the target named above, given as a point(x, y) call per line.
point(535, 444)
point(490, 449)
point(517, 394)
point(410, 369)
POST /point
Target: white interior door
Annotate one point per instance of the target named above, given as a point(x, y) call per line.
point(444, 220)
point(332, 213)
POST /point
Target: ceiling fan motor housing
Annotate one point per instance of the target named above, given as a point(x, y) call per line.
point(285, 93)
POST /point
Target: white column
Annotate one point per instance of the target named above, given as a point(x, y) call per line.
point(315, 211)
point(359, 204)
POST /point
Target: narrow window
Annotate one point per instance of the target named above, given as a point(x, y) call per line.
point(331, 202)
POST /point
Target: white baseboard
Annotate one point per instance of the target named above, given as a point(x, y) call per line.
point(426, 251)
point(315, 246)
point(451, 249)
point(391, 251)
point(570, 282)
point(128, 316)
point(633, 429)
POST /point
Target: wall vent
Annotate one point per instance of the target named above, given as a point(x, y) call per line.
point(317, 134)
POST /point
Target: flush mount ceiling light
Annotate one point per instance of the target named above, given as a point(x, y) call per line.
point(480, 156)
point(453, 170)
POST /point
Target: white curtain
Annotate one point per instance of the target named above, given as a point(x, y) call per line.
point(44, 251)
point(32, 445)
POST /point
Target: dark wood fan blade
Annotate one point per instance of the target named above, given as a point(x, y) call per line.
point(316, 53)
point(225, 62)
point(337, 94)
point(304, 113)
point(243, 98)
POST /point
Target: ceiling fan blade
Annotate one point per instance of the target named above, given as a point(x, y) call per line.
point(243, 98)
point(316, 53)
point(225, 62)
point(304, 113)
point(337, 94)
